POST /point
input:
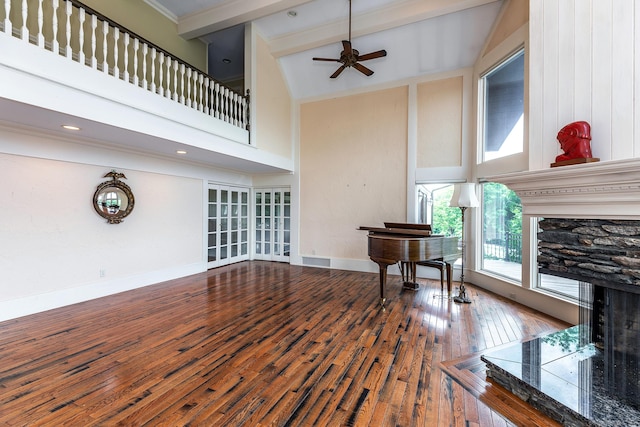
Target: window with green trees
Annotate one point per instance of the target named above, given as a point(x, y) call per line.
point(434, 209)
point(501, 231)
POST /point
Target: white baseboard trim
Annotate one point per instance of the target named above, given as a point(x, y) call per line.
point(19, 307)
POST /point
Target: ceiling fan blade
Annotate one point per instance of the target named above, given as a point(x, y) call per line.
point(346, 46)
point(326, 59)
point(372, 55)
point(338, 71)
point(363, 69)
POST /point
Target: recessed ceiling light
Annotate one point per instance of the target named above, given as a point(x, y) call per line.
point(181, 152)
point(71, 127)
point(292, 14)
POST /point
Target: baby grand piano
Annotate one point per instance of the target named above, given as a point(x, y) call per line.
point(410, 245)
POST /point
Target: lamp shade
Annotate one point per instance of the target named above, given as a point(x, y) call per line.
point(464, 196)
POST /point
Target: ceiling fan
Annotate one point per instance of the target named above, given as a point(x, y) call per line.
point(350, 57)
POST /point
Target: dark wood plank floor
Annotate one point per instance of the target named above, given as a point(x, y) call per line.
point(257, 344)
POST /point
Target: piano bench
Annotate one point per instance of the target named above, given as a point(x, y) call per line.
point(440, 265)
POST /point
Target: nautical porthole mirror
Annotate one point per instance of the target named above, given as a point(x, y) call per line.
point(113, 200)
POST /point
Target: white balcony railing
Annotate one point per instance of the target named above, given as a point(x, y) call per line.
point(72, 30)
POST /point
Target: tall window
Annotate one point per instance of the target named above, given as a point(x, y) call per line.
point(501, 231)
point(503, 88)
point(566, 288)
point(434, 209)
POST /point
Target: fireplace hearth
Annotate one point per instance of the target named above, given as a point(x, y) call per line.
point(587, 375)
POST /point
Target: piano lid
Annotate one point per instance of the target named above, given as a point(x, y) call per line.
point(400, 229)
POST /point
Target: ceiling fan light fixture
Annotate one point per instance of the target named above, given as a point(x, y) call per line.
point(350, 57)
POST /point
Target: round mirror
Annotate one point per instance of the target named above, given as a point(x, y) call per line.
point(113, 200)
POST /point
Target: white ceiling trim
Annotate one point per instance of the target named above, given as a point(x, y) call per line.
point(381, 19)
point(228, 14)
point(163, 10)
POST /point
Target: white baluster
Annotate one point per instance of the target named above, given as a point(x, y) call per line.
point(125, 58)
point(7, 13)
point(55, 44)
point(145, 50)
point(227, 105)
point(160, 73)
point(181, 83)
point(215, 102)
point(236, 110)
point(188, 100)
point(200, 87)
point(81, 19)
point(105, 47)
point(68, 10)
point(25, 31)
point(94, 26)
point(207, 107)
point(168, 88)
point(40, 22)
point(116, 57)
point(175, 80)
point(154, 52)
point(136, 47)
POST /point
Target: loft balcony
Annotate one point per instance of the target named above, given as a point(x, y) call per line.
point(62, 63)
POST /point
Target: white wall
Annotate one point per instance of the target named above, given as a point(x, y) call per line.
point(584, 57)
point(55, 246)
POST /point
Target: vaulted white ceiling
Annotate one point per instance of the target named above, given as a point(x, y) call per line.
point(420, 36)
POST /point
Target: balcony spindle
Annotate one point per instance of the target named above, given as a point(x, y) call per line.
point(105, 47)
point(94, 26)
point(217, 99)
point(24, 34)
point(125, 57)
point(116, 57)
point(40, 23)
point(207, 107)
point(154, 53)
point(189, 102)
point(145, 51)
point(167, 92)
point(136, 47)
point(225, 117)
point(55, 45)
point(200, 87)
point(175, 80)
point(182, 84)
point(160, 74)
point(68, 10)
point(7, 13)
point(81, 19)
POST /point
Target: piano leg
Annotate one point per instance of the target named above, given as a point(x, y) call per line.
point(383, 282)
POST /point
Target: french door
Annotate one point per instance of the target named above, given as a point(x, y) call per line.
point(227, 225)
point(273, 224)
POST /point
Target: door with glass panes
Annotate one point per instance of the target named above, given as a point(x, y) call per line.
point(228, 225)
point(273, 224)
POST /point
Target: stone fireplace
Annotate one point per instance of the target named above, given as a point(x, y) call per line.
point(587, 374)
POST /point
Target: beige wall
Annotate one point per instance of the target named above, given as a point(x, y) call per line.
point(272, 104)
point(353, 165)
point(514, 15)
point(147, 22)
point(439, 140)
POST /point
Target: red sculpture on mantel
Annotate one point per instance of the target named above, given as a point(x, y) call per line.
point(575, 141)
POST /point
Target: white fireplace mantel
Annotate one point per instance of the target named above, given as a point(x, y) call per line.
point(590, 190)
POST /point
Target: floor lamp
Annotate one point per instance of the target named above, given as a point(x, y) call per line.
point(464, 196)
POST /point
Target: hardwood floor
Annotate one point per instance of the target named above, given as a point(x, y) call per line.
point(256, 344)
